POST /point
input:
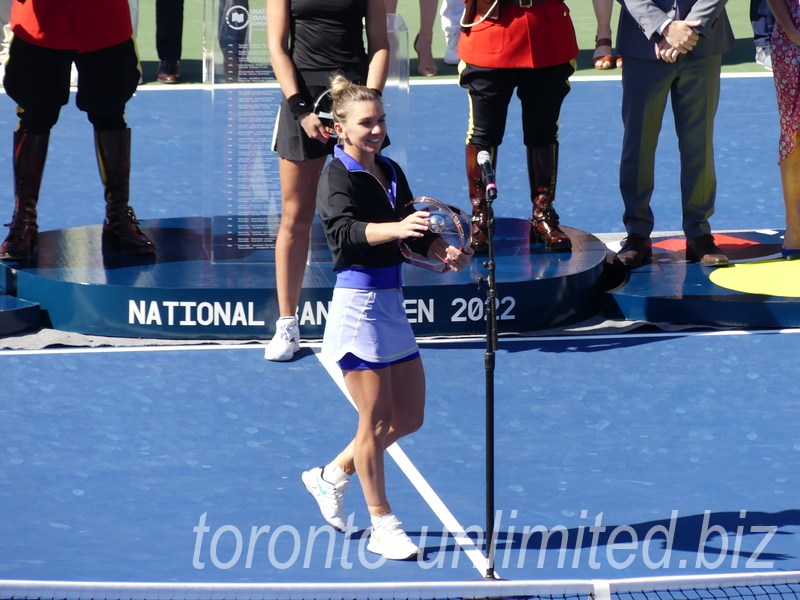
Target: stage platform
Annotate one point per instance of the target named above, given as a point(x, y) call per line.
point(71, 284)
point(17, 315)
point(759, 288)
point(183, 294)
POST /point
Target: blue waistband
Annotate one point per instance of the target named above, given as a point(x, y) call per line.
point(373, 278)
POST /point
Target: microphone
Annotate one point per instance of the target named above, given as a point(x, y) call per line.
point(487, 175)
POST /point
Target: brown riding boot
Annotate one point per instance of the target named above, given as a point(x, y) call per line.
point(30, 153)
point(542, 170)
point(120, 228)
point(480, 226)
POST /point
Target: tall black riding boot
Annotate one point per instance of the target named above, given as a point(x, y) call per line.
point(30, 154)
point(120, 229)
point(480, 226)
point(542, 171)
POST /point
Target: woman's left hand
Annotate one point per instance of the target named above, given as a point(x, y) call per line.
point(457, 259)
point(314, 127)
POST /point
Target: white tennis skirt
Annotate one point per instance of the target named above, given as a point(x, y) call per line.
point(371, 324)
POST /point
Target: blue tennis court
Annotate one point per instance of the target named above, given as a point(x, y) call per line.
point(167, 164)
point(617, 457)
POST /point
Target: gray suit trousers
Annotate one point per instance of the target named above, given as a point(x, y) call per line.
point(693, 87)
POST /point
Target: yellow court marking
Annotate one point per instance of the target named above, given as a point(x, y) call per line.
point(771, 278)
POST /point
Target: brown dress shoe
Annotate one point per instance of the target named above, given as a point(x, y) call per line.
point(635, 251)
point(703, 250)
point(168, 71)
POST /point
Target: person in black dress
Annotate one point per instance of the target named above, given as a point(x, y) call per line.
point(309, 40)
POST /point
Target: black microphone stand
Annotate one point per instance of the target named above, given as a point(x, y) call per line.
point(490, 193)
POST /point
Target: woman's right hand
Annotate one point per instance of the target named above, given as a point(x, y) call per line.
point(314, 127)
point(414, 225)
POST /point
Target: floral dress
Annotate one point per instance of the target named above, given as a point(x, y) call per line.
point(786, 65)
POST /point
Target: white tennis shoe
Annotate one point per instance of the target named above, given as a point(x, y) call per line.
point(285, 342)
point(388, 539)
point(329, 497)
point(451, 53)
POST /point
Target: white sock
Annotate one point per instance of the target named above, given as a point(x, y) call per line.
point(334, 474)
point(377, 521)
point(287, 321)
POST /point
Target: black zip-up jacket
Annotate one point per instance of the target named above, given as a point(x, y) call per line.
point(348, 200)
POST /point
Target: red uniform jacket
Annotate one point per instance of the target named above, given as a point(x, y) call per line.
point(535, 37)
point(82, 25)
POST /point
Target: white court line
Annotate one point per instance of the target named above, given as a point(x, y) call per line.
point(660, 334)
point(441, 80)
point(747, 75)
point(597, 588)
point(608, 336)
point(221, 345)
point(452, 525)
point(165, 348)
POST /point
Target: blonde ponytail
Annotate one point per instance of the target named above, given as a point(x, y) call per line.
point(345, 93)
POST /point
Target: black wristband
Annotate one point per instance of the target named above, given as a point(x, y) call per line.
point(298, 106)
point(377, 91)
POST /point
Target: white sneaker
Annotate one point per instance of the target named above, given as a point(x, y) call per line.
point(328, 496)
point(451, 53)
point(286, 340)
point(388, 539)
point(764, 57)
